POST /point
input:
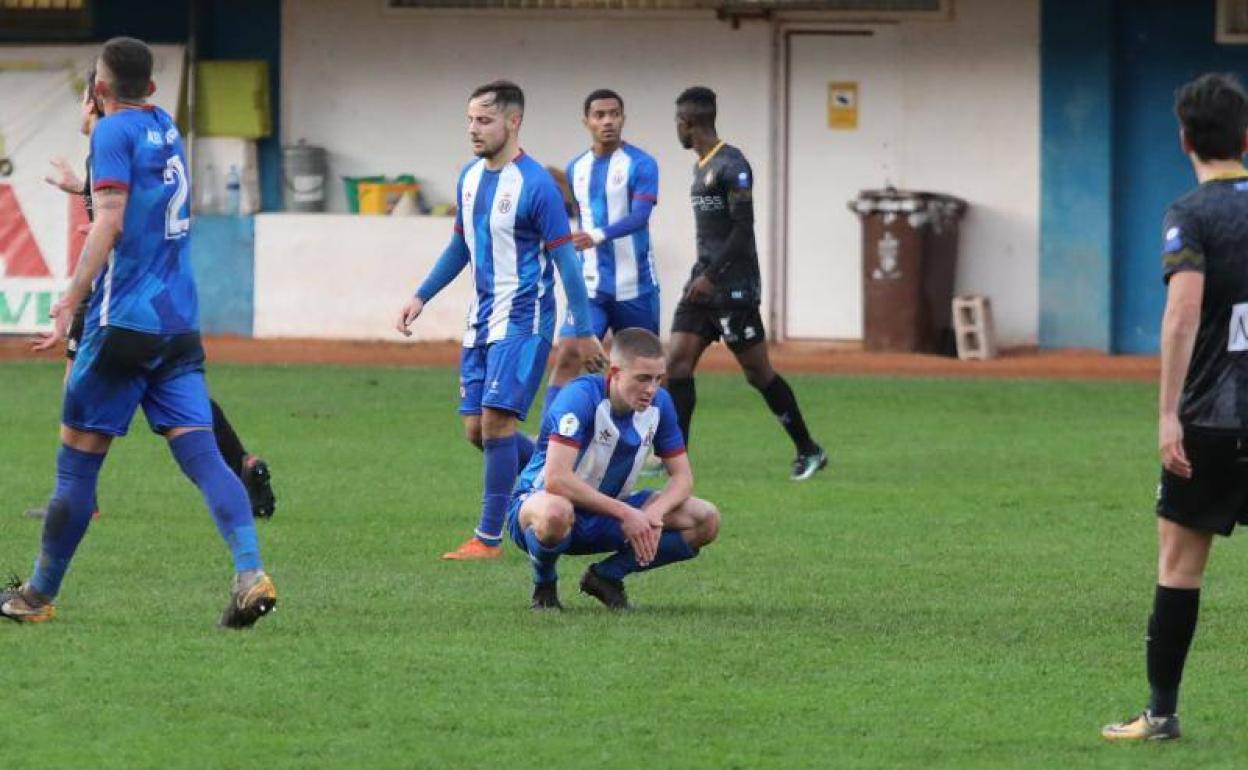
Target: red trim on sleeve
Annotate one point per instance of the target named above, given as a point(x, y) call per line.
point(559, 439)
point(459, 229)
point(646, 197)
point(671, 454)
point(113, 184)
point(556, 243)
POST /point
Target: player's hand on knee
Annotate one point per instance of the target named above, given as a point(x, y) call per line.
point(408, 315)
point(590, 351)
point(641, 535)
point(1170, 444)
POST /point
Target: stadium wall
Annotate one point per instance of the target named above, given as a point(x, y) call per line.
point(384, 93)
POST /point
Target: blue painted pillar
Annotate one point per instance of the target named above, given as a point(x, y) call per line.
point(1076, 177)
point(223, 260)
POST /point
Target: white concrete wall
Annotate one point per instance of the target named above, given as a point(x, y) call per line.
point(386, 93)
point(972, 128)
point(334, 276)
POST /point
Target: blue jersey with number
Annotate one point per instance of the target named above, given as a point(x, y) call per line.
point(510, 218)
point(611, 448)
point(147, 285)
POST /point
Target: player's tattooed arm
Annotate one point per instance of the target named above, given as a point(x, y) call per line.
point(110, 209)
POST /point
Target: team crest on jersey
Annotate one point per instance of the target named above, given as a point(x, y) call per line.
point(618, 179)
point(569, 425)
point(1174, 240)
point(504, 205)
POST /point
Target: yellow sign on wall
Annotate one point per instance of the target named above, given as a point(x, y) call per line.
point(843, 105)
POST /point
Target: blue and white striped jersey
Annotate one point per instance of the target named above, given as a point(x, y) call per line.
point(509, 219)
point(622, 266)
point(612, 448)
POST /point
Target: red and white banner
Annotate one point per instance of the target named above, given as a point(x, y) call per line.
point(42, 228)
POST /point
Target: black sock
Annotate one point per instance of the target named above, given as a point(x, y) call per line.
point(227, 440)
point(783, 405)
point(1170, 631)
point(684, 397)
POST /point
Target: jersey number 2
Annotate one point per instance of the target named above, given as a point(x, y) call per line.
point(176, 226)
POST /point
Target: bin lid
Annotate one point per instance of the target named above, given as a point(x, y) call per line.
point(890, 199)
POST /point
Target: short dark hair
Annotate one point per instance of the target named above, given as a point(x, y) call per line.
point(95, 101)
point(635, 342)
point(506, 94)
point(1213, 111)
point(129, 61)
point(700, 105)
point(603, 93)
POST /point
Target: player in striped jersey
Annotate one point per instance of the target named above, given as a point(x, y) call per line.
point(576, 495)
point(616, 185)
point(511, 231)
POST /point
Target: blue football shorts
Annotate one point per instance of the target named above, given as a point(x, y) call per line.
point(118, 370)
point(615, 315)
point(592, 532)
point(503, 375)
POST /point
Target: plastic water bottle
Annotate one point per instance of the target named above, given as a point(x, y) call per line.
point(233, 192)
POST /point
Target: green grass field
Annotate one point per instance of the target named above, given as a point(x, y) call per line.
point(966, 587)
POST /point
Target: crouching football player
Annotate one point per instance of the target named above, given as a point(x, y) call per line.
point(576, 495)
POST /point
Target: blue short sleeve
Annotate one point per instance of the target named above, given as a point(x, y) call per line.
point(668, 440)
point(645, 181)
point(112, 155)
point(571, 415)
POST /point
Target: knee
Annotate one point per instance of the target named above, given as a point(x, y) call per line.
point(555, 521)
point(497, 424)
point(759, 376)
point(679, 368)
point(472, 434)
point(708, 526)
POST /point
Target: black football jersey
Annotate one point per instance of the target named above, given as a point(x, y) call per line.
point(723, 209)
point(1207, 231)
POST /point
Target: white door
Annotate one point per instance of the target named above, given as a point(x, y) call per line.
point(858, 72)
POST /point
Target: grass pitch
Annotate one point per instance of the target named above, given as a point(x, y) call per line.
point(966, 587)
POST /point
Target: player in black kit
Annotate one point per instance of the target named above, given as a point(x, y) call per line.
point(724, 291)
point(1203, 405)
point(253, 471)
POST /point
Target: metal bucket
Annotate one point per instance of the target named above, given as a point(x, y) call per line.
point(303, 177)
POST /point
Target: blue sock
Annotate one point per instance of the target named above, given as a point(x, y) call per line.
point(524, 451)
point(500, 476)
point(672, 548)
point(69, 515)
point(544, 557)
point(552, 390)
point(200, 459)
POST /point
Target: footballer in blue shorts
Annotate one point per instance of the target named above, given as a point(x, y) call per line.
point(577, 494)
point(141, 344)
point(616, 186)
point(512, 231)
